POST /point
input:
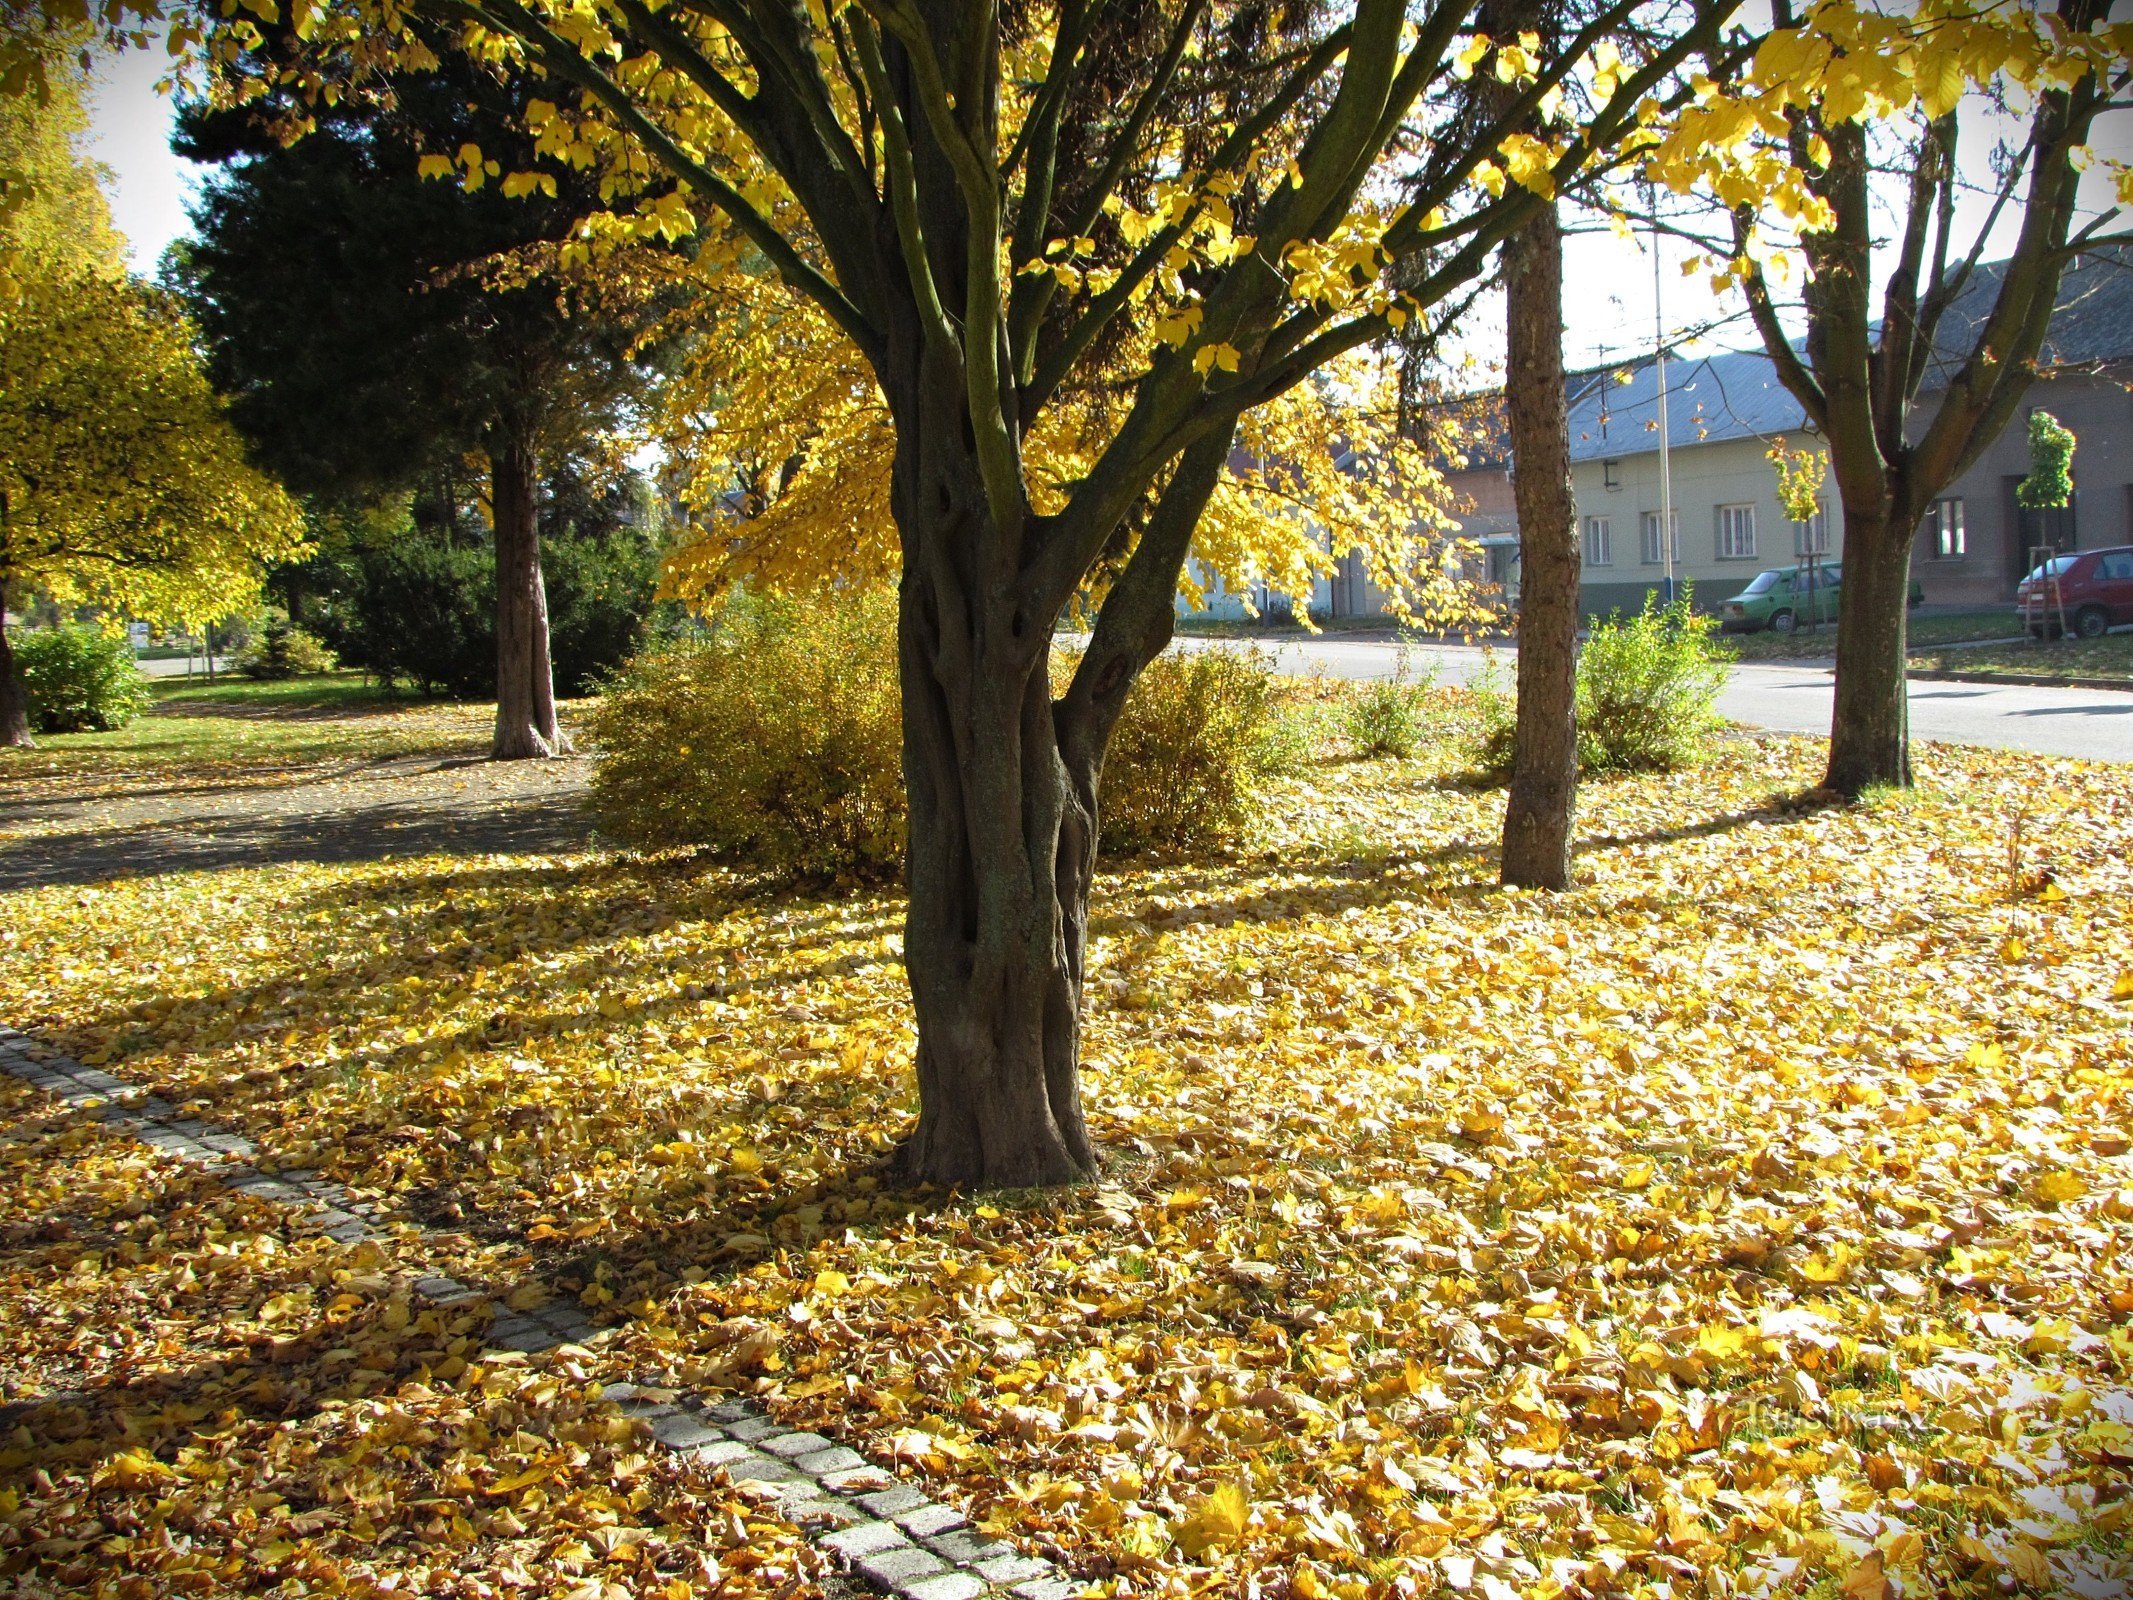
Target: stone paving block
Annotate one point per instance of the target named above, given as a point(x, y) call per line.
point(863, 1539)
point(966, 1549)
point(929, 1520)
point(731, 1411)
point(948, 1586)
point(1013, 1569)
point(440, 1288)
point(794, 1444)
point(724, 1452)
point(1048, 1589)
point(818, 1510)
point(892, 1569)
point(894, 1502)
point(824, 1463)
point(681, 1431)
point(754, 1428)
point(526, 1341)
point(764, 1469)
point(860, 1480)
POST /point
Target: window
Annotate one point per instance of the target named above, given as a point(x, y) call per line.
point(1599, 542)
point(1654, 555)
point(1611, 474)
point(1812, 538)
point(2116, 568)
point(1736, 533)
point(1945, 528)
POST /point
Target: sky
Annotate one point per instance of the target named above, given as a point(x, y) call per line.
point(1608, 281)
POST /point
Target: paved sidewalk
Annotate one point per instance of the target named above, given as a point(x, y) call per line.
point(889, 1533)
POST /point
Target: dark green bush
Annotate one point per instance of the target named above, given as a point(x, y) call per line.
point(80, 679)
point(281, 649)
point(1647, 695)
point(773, 739)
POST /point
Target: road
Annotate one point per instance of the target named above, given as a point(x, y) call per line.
point(2094, 723)
point(175, 667)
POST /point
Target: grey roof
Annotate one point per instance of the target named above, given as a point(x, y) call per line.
point(2091, 324)
point(1732, 394)
point(1735, 394)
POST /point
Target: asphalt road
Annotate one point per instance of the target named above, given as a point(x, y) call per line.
point(2093, 723)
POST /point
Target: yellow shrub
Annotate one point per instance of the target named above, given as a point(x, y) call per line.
point(772, 740)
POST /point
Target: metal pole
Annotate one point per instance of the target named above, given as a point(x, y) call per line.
point(1666, 470)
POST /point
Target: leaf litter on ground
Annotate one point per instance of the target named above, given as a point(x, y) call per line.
point(1753, 1219)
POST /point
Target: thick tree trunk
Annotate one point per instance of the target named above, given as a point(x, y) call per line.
point(1002, 844)
point(1544, 777)
point(525, 684)
point(14, 699)
point(1870, 723)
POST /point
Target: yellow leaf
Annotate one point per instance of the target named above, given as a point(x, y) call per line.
point(1868, 1580)
point(1218, 1521)
point(2123, 988)
point(2058, 1185)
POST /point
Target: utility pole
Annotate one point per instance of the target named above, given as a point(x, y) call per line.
point(1666, 464)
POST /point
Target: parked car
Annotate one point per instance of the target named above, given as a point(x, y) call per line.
point(1782, 598)
point(2092, 590)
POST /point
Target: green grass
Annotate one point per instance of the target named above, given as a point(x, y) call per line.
point(1807, 644)
point(2108, 657)
point(333, 691)
point(236, 724)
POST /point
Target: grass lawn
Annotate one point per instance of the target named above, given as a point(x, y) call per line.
point(2108, 657)
point(235, 725)
point(1763, 1206)
point(1807, 644)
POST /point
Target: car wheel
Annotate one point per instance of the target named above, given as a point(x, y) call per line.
point(1783, 622)
point(2092, 622)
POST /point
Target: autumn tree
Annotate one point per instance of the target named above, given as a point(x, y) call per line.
point(376, 328)
point(987, 204)
point(122, 483)
point(1866, 108)
point(1544, 773)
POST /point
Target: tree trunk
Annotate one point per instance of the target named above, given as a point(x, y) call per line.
point(1002, 843)
point(1870, 722)
point(525, 684)
point(1544, 776)
point(14, 698)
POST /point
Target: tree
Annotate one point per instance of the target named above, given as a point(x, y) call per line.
point(121, 482)
point(1544, 770)
point(375, 328)
point(988, 205)
point(1865, 357)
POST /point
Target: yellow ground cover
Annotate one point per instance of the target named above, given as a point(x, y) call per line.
point(1756, 1218)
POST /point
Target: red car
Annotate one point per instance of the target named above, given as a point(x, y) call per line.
point(2091, 589)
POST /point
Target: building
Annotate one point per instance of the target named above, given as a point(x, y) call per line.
point(1726, 411)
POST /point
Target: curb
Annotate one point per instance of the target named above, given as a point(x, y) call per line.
point(2021, 680)
point(888, 1533)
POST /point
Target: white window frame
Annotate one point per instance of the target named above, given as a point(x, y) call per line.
point(1736, 532)
point(1811, 538)
point(1599, 542)
point(1939, 520)
point(1654, 556)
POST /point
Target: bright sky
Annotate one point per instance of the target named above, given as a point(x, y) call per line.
point(1608, 295)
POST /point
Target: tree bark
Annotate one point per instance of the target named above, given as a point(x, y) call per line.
point(525, 683)
point(1870, 724)
point(1002, 842)
point(14, 698)
point(1544, 775)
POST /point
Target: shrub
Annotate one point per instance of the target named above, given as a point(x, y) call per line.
point(774, 739)
point(1199, 738)
point(1648, 689)
point(1647, 693)
point(1389, 717)
point(284, 650)
point(80, 679)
